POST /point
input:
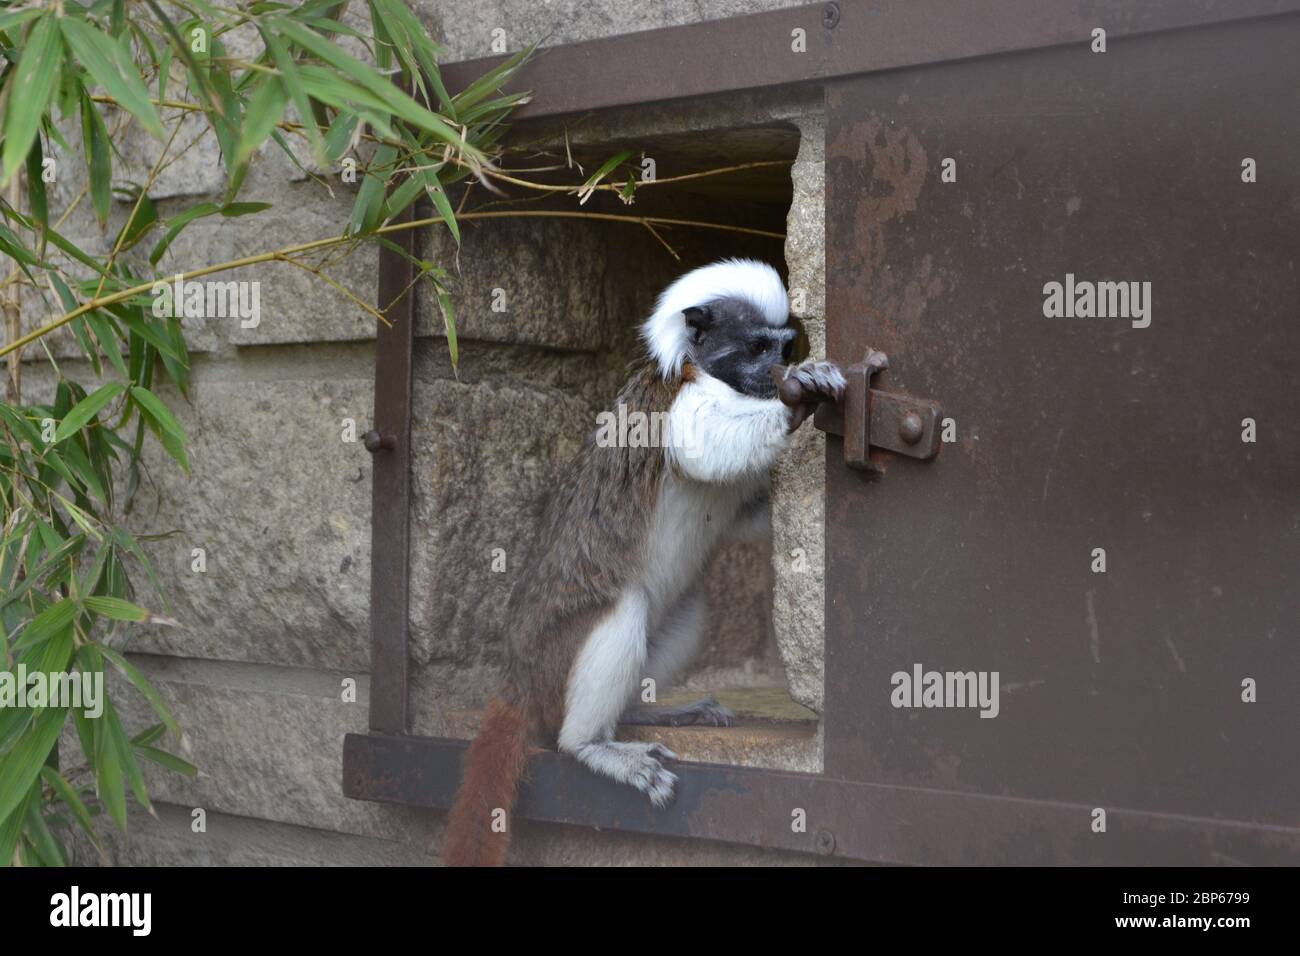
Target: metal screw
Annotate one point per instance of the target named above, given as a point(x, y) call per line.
point(831, 16)
point(911, 428)
point(825, 842)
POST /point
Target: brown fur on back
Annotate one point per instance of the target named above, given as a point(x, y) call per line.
point(590, 542)
point(589, 547)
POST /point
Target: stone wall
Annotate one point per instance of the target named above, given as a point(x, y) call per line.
point(280, 502)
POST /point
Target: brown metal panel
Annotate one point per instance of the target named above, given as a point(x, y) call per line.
point(843, 38)
point(1118, 689)
point(390, 444)
point(840, 818)
point(1070, 437)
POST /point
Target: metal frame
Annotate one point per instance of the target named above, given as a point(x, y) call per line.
point(390, 510)
point(844, 38)
point(732, 804)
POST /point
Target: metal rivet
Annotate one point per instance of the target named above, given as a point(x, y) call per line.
point(831, 16)
point(825, 842)
point(375, 441)
point(911, 428)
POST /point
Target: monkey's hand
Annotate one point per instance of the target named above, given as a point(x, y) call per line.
point(804, 386)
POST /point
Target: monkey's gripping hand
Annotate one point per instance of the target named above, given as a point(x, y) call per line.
point(804, 386)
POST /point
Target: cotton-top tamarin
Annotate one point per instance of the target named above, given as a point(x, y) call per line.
point(615, 595)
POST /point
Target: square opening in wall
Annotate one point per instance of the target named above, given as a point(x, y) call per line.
point(548, 295)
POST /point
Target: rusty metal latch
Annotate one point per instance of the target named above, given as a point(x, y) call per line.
point(870, 418)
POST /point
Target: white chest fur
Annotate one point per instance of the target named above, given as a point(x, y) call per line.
point(691, 518)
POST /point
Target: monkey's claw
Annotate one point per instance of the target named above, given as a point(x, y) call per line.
point(660, 752)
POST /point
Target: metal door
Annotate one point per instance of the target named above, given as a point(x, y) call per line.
point(1120, 688)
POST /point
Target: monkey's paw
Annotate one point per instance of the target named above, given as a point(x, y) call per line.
point(818, 381)
point(710, 713)
point(648, 775)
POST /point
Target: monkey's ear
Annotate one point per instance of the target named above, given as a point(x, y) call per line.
point(698, 319)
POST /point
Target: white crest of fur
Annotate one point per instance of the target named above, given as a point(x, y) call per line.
point(664, 332)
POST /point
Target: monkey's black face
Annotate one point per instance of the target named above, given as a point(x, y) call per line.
point(730, 340)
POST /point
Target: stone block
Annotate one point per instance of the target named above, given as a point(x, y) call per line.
point(268, 742)
point(280, 505)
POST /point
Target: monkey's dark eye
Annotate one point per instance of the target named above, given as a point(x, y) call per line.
point(758, 346)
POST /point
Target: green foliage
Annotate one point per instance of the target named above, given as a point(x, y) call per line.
point(74, 582)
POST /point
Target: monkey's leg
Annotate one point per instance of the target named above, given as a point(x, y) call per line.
point(604, 678)
point(672, 646)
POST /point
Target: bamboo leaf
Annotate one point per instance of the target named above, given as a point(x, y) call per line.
point(170, 761)
point(11, 826)
point(149, 735)
point(14, 248)
point(86, 409)
point(21, 766)
point(284, 62)
point(589, 187)
point(264, 111)
point(233, 210)
point(109, 339)
point(82, 520)
point(99, 158)
point(109, 62)
point(327, 88)
point(108, 773)
point(449, 323)
point(491, 81)
point(144, 216)
point(47, 623)
point(8, 20)
point(365, 76)
point(131, 316)
point(64, 552)
point(440, 202)
point(29, 90)
point(169, 431)
point(119, 742)
point(79, 463)
point(36, 198)
point(19, 423)
point(81, 332)
point(115, 608)
point(159, 412)
point(42, 842)
point(178, 369)
point(177, 223)
point(69, 796)
point(339, 135)
point(370, 198)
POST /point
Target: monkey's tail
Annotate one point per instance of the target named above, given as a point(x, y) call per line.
point(494, 765)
